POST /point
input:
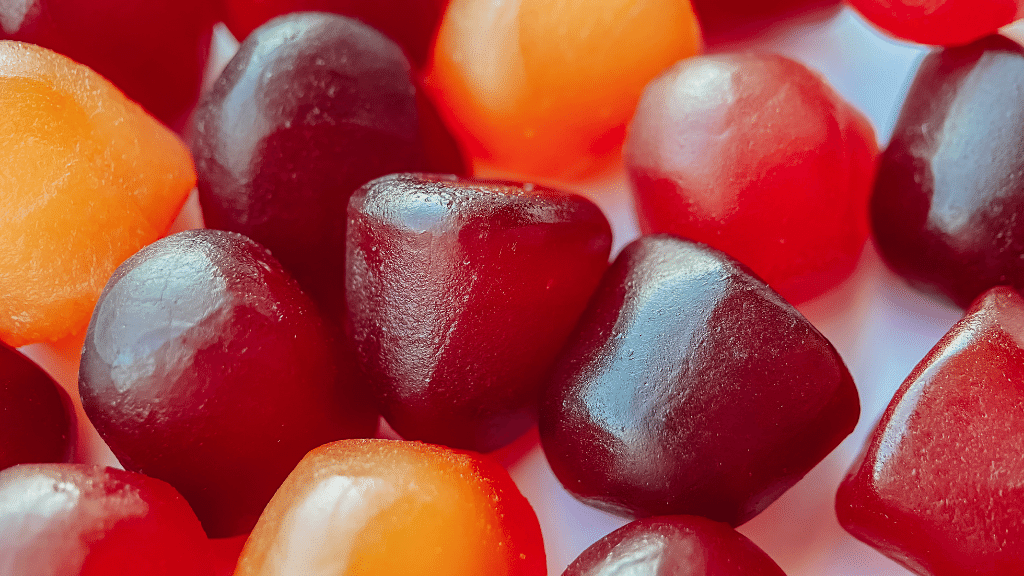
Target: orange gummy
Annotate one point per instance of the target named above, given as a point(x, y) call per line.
point(386, 507)
point(88, 179)
point(545, 87)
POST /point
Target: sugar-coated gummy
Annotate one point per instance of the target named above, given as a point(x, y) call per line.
point(938, 486)
point(206, 366)
point(690, 387)
point(461, 293)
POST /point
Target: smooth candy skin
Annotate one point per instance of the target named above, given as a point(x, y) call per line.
point(37, 420)
point(155, 51)
point(553, 91)
point(82, 520)
point(311, 107)
point(939, 22)
point(674, 546)
point(948, 204)
point(461, 293)
point(689, 387)
point(757, 156)
point(394, 508)
point(207, 367)
point(411, 23)
point(88, 179)
point(938, 486)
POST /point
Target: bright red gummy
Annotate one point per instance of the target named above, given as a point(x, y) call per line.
point(153, 50)
point(938, 487)
point(206, 366)
point(37, 423)
point(939, 22)
point(674, 546)
point(81, 520)
point(690, 387)
point(461, 293)
point(757, 156)
point(411, 23)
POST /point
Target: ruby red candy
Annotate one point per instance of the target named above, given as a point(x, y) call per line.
point(37, 421)
point(948, 204)
point(690, 387)
point(937, 487)
point(939, 22)
point(757, 156)
point(153, 50)
point(84, 520)
point(461, 293)
point(674, 546)
point(311, 107)
point(207, 367)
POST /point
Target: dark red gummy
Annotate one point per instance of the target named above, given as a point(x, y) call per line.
point(461, 293)
point(311, 107)
point(206, 366)
point(674, 546)
point(83, 520)
point(37, 421)
point(725, 19)
point(755, 155)
point(411, 23)
point(938, 487)
point(153, 50)
point(948, 204)
point(939, 22)
point(690, 387)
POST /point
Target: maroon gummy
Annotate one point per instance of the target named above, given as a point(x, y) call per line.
point(674, 546)
point(411, 23)
point(155, 51)
point(948, 204)
point(37, 421)
point(206, 366)
point(461, 293)
point(94, 521)
point(690, 387)
point(938, 486)
point(311, 107)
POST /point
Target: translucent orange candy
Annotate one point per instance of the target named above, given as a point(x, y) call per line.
point(88, 178)
point(545, 87)
point(387, 507)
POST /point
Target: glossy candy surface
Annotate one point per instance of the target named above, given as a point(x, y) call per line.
point(690, 387)
point(410, 23)
point(940, 22)
point(551, 93)
point(37, 423)
point(82, 520)
point(311, 107)
point(155, 51)
point(461, 293)
point(757, 156)
point(938, 485)
point(674, 546)
point(394, 508)
point(207, 367)
point(88, 178)
point(948, 204)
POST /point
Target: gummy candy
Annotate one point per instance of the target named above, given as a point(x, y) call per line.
point(88, 179)
point(938, 486)
point(207, 367)
point(545, 88)
point(757, 156)
point(461, 293)
point(395, 508)
point(939, 22)
point(690, 387)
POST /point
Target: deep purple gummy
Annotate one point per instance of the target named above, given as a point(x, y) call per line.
point(37, 420)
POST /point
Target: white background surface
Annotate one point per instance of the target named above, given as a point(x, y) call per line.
point(879, 325)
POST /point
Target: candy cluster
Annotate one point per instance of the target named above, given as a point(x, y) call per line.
point(390, 238)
